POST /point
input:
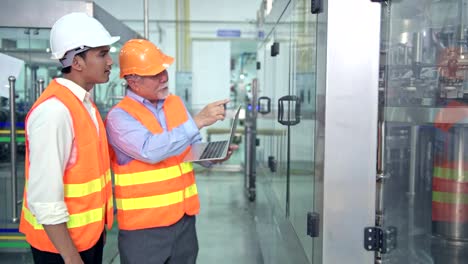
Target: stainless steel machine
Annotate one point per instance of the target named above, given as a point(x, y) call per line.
point(423, 103)
point(421, 177)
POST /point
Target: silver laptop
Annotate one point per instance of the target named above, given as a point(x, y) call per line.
point(215, 150)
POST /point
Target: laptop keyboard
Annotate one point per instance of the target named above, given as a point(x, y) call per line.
point(214, 149)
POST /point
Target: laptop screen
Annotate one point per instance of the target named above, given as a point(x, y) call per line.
point(234, 125)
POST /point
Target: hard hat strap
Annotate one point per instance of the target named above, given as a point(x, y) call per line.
point(67, 59)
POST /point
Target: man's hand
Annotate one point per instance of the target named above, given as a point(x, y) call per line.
point(232, 148)
point(211, 113)
point(74, 259)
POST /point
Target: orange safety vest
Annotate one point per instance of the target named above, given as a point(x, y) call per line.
point(450, 179)
point(154, 195)
point(87, 184)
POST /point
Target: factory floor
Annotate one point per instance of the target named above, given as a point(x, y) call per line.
point(226, 227)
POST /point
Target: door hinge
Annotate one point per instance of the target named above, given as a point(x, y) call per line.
point(274, 49)
point(313, 224)
point(380, 239)
point(316, 6)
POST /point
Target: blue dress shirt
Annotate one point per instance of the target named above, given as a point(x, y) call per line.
point(131, 140)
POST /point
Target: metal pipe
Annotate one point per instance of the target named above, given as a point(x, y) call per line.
point(12, 80)
point(458, 229)
point(381, 148)
point(412, 188)
point(35, 91)
point(177, 40)
point(417, 54)
point(417, 47)
point(32, 93)
point(247, 152)
point(253, 141)
point(187, 42)
point(250, 144)
point(288, 166)
point(380, 173)
point(123, 88)
point(40, 87)
point(380, 179)
point(461, 34)
point(406, 60)
point(145, 16)
point(193, 22)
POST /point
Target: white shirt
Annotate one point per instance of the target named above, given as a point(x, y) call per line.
point(51, 150)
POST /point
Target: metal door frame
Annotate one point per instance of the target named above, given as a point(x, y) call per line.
point(347, 81)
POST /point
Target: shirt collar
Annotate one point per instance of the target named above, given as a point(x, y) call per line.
point(77, 90)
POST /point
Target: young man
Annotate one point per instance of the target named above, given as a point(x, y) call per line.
point(68, 192)
point(150, 131)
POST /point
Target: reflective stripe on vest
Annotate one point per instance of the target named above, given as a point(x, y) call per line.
point(450, 174)
point(156, 200)
point(149, 176)
point(450, 198)
point(83, 189)
point(449, 195)
point(76, 220)
point(87, 183)
point(153, 195)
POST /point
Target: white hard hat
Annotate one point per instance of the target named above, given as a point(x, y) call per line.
point(76, 30)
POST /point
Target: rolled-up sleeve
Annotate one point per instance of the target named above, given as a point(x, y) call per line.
point(49, 130)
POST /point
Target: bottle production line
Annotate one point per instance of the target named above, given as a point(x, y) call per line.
point(423, 93)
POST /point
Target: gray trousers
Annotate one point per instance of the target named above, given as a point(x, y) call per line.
point(175, 244)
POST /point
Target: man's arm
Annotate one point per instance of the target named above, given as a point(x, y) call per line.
point(61, 239)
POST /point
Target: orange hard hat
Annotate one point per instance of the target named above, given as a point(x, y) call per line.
point(141, 57)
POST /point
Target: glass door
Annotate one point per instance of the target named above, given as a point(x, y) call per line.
point(273, 82)
point(287, 133)
point(25, 56)
point(280, 54)
point(301, 137)
point(423, 185)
